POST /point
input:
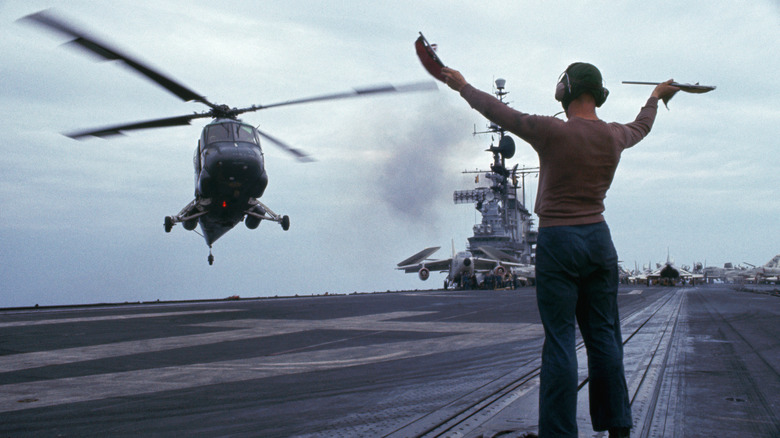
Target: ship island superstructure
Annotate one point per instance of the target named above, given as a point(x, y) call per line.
point(506, 224)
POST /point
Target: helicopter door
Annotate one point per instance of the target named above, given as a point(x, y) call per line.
point(196, 160)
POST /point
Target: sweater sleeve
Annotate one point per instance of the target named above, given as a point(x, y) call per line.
point(523, 125)
point(640, 127)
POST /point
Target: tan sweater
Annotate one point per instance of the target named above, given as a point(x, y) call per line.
point(577, 158)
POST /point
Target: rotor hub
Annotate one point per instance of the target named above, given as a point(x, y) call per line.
point(223, 112)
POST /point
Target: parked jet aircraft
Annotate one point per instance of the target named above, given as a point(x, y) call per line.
point(768, 272)
point(463, 269)
point(519, 269)
point(669, 274)
point(728, 273)
point(770, 269)
point(624, 274)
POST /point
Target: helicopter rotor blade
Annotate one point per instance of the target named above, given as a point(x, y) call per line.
point(110, 131)
point(300, 155)
point(357, 92)
point(51, 21)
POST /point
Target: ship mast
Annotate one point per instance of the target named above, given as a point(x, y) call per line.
point(506, 223)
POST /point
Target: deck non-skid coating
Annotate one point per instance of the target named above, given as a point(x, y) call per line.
point(389, 364)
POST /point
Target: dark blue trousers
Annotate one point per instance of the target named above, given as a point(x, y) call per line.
point(577, 278)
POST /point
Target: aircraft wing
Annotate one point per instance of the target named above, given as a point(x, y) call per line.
point(497, 254)
point(527, 271)
point(439, 265)
point(655, 272)
point(419, 257)
point(482, 264)
point(506, 260)
point(432, 265)
point(684, 273)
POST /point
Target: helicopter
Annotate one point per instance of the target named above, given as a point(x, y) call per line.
point(230, 174)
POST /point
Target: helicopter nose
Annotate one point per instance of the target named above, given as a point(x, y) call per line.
point(234, 160)
point(236, 170)
point(231, 170)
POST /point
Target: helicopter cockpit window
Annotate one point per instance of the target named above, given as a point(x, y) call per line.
point(231, 132)
point(245, 133)
point(219, 132)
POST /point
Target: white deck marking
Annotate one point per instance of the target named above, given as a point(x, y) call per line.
point(99, 386)
point(110, 317)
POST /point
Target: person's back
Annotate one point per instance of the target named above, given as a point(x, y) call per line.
point(579, 158)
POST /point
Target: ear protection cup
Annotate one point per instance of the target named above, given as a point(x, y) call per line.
point(602, 97)
point(563, 88)
point(567, 88)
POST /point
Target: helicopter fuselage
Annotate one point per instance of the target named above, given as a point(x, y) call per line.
point(229, 174)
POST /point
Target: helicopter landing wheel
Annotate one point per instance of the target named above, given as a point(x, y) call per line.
point(168, 224)
point(285, 222)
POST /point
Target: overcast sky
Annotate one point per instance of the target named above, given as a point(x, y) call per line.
point(81, 221)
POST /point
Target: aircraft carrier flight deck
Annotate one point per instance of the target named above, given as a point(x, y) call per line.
point(700, 361)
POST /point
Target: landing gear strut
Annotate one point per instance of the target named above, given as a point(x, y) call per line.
point(188, 215)
point(262, 212)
